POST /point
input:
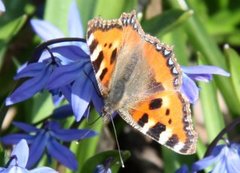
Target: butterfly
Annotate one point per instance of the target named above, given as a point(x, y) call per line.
point(140, 79)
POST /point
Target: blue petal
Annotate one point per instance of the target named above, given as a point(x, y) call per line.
point(204, 163)
point(45, 30)
point(64, 75)
point(66, 91)
point(97, 102)
point(75, 28)
point(220, 167)
point(29, 88)
point(57, 96)
point(15, 169)
point(2, 7)
point(30, 70)
point(72, 51)
point(43, 170)
point(200, 77)
point(102, 169)
point(15, 138)
point(233, 159)
point(21, 151)
point(72, 134)
point(43, 56)
point(190, 89)
point(63, 112)
point(37, 148)
point(25, 127)
point(216, 155)
point(205, 69)
point(96, 97)
point(62, 154)
point(81, 95)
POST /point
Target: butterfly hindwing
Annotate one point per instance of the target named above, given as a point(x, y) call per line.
point(165, 117)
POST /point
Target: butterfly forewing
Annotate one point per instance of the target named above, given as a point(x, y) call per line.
point(104, 49)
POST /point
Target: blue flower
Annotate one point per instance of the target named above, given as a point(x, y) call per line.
point(2, 7)
point(62, 68)
point(49, 137)
point(225, 158)
point(19, 159)
point(105, 167)
point(102, 169)
point(198, 73)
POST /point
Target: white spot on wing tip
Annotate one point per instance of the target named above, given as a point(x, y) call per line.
point(90, 39)
point(178, 146)
point(96, 52)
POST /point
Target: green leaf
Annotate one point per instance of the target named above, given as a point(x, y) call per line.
point(3, 48)
point(41, 107)
point(7, 32)
point(234, 65)
point(56, 12)
point(10, 29)
point(177, 38)
point(201, 148)
point(2, 156)
point(98, 8)
point(101, 158)
point(161, 24)
point(85, 13)
point(211, 109)
point(170, 160)
point(113, 10)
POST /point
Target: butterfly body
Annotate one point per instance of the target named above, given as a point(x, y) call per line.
point(140, 79)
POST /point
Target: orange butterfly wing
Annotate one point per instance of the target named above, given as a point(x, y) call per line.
point(103, 49)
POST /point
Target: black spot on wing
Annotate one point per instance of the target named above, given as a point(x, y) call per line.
point(155, 103)
point(167, 112)
point(170, 121)
point(93, 46)
point(113, 56)
point(156, 130)
point(143, 120)
point(98, 61)
point(172, 141)
point(103, 73)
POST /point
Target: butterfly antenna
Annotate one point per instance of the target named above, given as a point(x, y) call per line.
point(118, 146)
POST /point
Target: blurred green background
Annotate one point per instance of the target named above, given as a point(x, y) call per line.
point(201, 31)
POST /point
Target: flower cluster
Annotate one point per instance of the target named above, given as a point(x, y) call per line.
point(49, 137)
point(61, 67)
